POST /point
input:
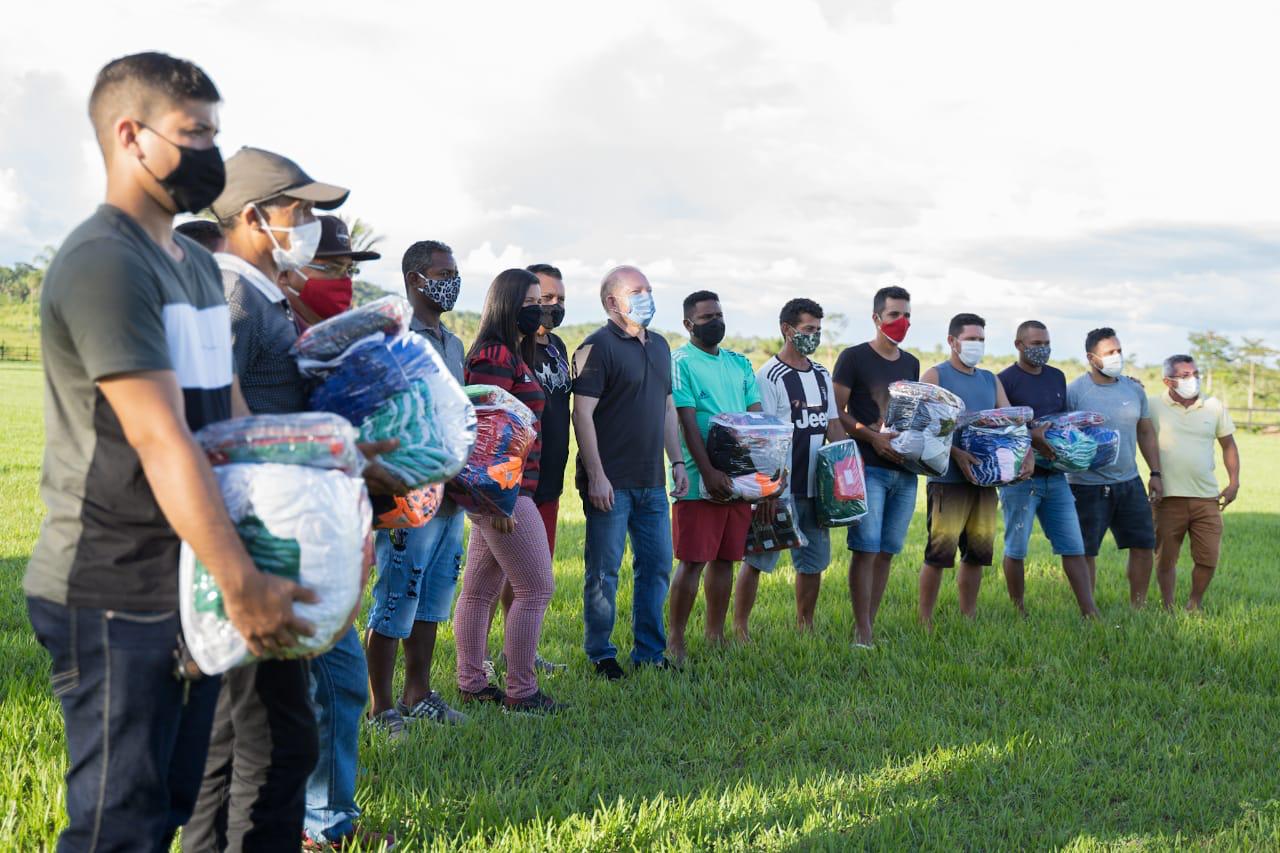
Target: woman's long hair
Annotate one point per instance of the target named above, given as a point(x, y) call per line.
point(501, 306)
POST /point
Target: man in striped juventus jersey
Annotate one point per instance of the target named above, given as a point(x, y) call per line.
point(794, 387)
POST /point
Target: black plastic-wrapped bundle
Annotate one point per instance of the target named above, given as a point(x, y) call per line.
point(754, 449)
point(326, 340)
point(774, 527)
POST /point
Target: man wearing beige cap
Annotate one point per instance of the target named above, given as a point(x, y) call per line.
point(264, 740)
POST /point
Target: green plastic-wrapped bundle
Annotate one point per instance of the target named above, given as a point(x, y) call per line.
point(422, 456)
point(842, 490)
point(270, 554)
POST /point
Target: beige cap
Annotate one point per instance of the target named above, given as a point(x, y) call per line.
point(254, 175)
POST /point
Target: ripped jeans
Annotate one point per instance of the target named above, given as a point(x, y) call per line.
point(418, 572)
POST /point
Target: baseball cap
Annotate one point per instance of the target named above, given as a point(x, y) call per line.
point(254, 175)
point(335, 241)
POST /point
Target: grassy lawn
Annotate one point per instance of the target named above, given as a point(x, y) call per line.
point(1142, 731)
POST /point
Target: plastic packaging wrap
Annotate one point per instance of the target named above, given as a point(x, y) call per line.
point(1071, 435)
point(389, 315)
point(306, 524)
point(999, 441)
point(1108, 442)
point(489, 483)
point(314, 439)
point(774, 527)
point(925, 418)
point(399, 388)
point(841, 483)
point(754, 449)
point(413, 510)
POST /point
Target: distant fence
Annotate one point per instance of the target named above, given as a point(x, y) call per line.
point(25, 352)
point(1250, 418)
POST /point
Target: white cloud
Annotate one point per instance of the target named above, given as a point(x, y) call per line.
point(1089, 163)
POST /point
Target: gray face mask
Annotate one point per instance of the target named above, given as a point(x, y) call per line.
point(1037, 356)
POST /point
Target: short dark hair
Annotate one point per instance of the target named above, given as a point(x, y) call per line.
point(958, 322)
point(1097, 336)
point(884, 294)
point(1027, 325)
point(418, 256)
point(1171, 363)
point(545, 269)
point(145, 82)
point(694, 298)
point(204, 231)
point(792, 310)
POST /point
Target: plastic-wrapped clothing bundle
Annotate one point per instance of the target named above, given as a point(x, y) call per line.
point(306, 524)
point(774, 527)
point(489, 483)
point(754, 449)
point(1070, 436)
point(841, 484)
point(999, 441)
point(925, 418)
point(1108, 441)
point(399, 388)
point(413, 510)
point(326, 340)
point(314, 439)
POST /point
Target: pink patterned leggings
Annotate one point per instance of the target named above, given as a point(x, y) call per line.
point(521, 557)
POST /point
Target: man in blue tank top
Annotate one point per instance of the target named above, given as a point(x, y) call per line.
point(961, 514)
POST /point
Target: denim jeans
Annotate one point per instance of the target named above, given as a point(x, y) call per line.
point(646, 515)
point(339, 691)
point(1048, 498)
point(418, 570)
point(891, 501)
point(136, 735)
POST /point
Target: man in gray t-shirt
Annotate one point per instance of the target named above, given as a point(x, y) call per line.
point(1112, 498)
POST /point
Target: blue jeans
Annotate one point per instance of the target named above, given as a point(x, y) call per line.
point(136, 735)
point(418, 572)
point(646, 515)
point(339, 691)
point(1049, 498)
point(891, 501)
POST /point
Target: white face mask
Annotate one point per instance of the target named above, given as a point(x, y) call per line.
point(303, 241)
point(1112, 365)
point(971, 352)
point(1188, 387)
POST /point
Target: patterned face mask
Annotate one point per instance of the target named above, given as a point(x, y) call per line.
point(1038, 356)
point(443, 292)
point(806, 343)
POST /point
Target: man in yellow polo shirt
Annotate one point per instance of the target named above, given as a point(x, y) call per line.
point(1186, 426)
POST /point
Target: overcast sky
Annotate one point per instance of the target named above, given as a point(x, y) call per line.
point(1085, 164)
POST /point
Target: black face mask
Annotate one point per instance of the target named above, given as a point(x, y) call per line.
point(552, 316)
point(529, 319)
point(710, 333)
point(198, 179)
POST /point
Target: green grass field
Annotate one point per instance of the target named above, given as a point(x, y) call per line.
point(1141, 731)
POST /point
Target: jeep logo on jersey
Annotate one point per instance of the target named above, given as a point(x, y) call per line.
point(810, 419)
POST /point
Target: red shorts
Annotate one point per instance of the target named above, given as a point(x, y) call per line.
point(704, 530)
point(550, 512)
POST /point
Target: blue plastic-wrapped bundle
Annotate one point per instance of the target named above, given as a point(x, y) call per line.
point(361, 379)
point(489, 484)
point(999, 442)
point(1073, 439)
point(1108, 443)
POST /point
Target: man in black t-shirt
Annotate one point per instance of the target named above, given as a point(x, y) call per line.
point(137, 354)
point(862, 378)
point(1032, 381)
point(624, 418)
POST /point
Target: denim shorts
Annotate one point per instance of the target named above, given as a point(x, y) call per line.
point(418, 572)
point(811, 559)
point(891, 501)
point(1048, 498)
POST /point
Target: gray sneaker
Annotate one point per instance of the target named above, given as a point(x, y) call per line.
point(541, 664)
point(389, 723)
point(490, 671)
point(432, 708)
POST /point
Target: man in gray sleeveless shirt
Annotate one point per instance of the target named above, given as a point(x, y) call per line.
point(961, 514)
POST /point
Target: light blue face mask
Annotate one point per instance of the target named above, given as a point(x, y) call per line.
point(642, 309)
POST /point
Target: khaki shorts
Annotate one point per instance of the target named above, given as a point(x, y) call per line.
point(1176, 517)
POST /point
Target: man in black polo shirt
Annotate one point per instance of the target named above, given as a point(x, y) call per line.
point(137, 354)
point(624, 418)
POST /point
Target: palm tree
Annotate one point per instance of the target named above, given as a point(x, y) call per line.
point(1254, 352)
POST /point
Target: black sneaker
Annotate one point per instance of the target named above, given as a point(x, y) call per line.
point(538, 703)
point(489, 694)
point(609, 669)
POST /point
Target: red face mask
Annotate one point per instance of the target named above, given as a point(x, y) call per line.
point(896, 331)
point(327, 297)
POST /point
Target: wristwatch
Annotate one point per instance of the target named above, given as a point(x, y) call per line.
point(1156, 474)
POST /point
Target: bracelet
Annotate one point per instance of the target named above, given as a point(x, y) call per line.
point(677, 462)
point(1156, 474)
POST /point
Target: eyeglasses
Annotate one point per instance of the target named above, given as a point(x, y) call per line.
point(335, 270)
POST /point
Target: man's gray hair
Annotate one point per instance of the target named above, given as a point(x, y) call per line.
point(1171, 363)
point(614, 278)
